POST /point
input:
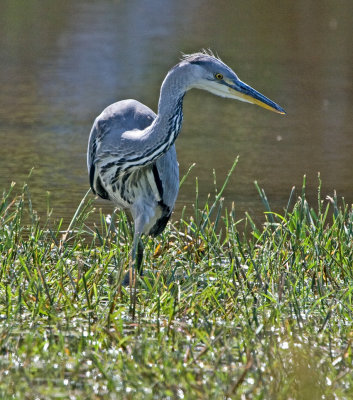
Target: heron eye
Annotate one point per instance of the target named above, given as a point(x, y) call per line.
point(218, 76)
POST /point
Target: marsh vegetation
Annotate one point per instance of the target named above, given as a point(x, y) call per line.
point(221, 312)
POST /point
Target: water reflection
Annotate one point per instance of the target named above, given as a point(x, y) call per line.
point(63, 62)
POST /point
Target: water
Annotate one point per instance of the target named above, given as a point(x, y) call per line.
point(63, 62)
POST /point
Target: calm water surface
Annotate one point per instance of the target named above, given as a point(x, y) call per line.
point(62, 62)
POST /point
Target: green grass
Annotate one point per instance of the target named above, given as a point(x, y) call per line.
point(265, 314)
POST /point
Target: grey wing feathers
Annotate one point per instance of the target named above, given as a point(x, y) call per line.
point(106, 135)
point(107, 130)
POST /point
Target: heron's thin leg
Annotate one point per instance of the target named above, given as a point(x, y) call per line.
point(135, 264)
point(135, 267)
point(137, 253)
point(133, 260)
point(139, 257)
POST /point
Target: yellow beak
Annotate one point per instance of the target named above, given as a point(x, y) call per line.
point(242, 91)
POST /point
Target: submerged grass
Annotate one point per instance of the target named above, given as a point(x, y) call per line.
point(265, 314)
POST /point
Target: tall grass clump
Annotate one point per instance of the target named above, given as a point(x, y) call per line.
point(261, 312)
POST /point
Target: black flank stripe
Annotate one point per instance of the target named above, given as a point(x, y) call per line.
point(91, 177)
point(158, 181)
point(100, 189)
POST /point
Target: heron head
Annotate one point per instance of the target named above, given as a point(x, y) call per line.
point(211, 74)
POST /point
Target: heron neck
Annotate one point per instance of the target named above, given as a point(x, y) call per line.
point(166, 127)
point(170, 117)
point(160, 136)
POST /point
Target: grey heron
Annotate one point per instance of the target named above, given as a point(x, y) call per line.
point(131, 155)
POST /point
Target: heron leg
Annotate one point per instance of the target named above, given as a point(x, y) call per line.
point(135, 265)
point(139, 257)
point(137, 253)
